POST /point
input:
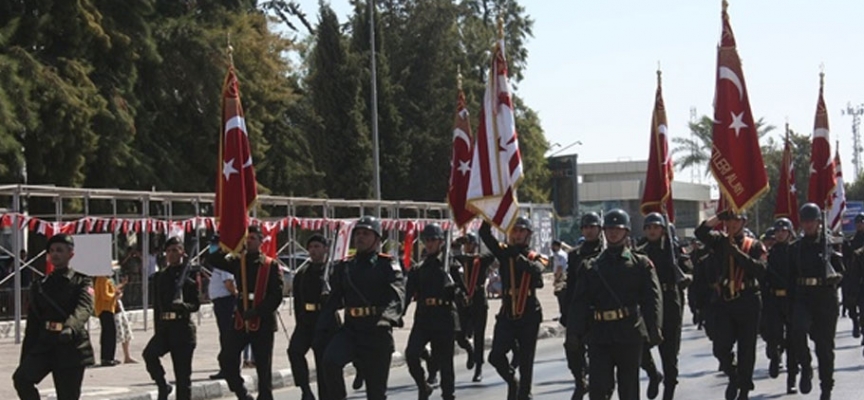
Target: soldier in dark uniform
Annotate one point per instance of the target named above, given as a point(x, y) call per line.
point(777, 307)
point(475, 268)
point(174, 291)
point(853, 296)
point(740, 263)
point(815, 303)
point(617, 308)
point(435, 319)
point(260, 294)
point(657, 246)
point(310, 293)
point(56, 339)
point(574, 345)
point(768, 238)
point(518, 320)
point(369, 286)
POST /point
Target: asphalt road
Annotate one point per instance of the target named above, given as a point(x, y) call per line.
point(699, 378)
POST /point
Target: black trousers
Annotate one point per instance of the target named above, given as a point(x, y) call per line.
point(370, 350)
point(777, 330)
point(815, 314)
point(442, 357)
point(35, 367)
point(510, 335)
point(671, 345)
point(472, 337)
point(261, 342)
point(611, 362)
point(178, 339)
point(223, 309)
point(302, 340)
point(575, 350)
point(737, 322)
point(107, 336)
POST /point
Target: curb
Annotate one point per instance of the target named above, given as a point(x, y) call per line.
point(282, 378)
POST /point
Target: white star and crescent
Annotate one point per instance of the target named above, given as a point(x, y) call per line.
point(228, 169)
point(737, 123)
point(464, 168)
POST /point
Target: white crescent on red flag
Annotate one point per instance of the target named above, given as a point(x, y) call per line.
point(657, 194)
point(237, 189)
point(496, 164)
point(460, 165)
point(736, 159)
point(838, 197)
point(822, 174)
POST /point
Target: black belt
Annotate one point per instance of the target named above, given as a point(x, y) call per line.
point(813, 282)
point(431, 301)
point(531, 293)
point(669, 287)
point(311, 307)
point(779, 292)
point(359, 312)
point(170, 316)
point(614, 315)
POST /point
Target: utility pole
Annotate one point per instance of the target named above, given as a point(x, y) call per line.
point(376, 172)
point(856, 113)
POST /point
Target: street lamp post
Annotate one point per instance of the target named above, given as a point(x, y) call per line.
point(375, 152)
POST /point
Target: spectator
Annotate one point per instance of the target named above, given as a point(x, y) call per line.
point(223, 294)
point(559, 268)
point(104, 305)
point(124, 330)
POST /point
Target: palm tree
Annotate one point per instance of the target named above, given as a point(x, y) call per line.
point(695, 151)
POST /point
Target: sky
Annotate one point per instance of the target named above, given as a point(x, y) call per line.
point(591, 70)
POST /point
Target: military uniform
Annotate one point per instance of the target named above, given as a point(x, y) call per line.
point(370, 287)
point(673, 310)
point(174, 291)
point(253, 325)
point(617, 310)
point(308, 302)
point(735, 315)
point(518, 320)
point(853, 296)
point(776, 321)
point(815, 305)
point(574, 345)
point(435, 318)
point(56, 340)
point(475, 311)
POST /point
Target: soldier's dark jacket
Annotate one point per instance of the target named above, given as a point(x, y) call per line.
point(367, 280)
point(163, 289)
point(308, 298)
point(632, 278)
point(435, 292)
point(473, 264)
point(806, 260)
point(272, 295)
point(72, 292)
point(524, 261)
point(575, 261)
point(658, 252)
point(752, 262)
point(777, 272)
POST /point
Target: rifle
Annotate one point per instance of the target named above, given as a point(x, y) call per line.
point(325, 279)
point(681, 279)
point(831, 275)
point(178, 289)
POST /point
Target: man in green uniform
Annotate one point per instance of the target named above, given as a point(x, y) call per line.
point(56, 339)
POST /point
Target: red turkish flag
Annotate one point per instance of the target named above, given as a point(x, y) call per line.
point(460, 165)
point(269, 244)
point(822, 174)
point(787, 194)
point(237, 189)
point(736, 160)
point(657, 196)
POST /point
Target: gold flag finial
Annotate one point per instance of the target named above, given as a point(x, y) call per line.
point(459, 77)
point(821, 76)
point(659, 73)
point(725, 6)
point(500, 28)
point(230, 49)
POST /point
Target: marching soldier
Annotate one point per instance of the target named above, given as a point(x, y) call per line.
point(661, 250)
point(851, 284)
point(740, 263)
point(574, 345)
point(777, 307)
point(475, 268)
point(174, 291)
point(260, 287)
point(518, 320)
point(617, 308)
point(435, 319)
point(310, 293)
point(815, 304)
point(369, 286)
point(56, 339)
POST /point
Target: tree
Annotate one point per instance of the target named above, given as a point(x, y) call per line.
point(341, 146)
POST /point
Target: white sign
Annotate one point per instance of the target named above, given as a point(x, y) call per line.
point(92, 254)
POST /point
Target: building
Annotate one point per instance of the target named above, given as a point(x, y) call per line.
point(606, 185)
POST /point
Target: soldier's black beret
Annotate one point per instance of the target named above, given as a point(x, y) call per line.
point(60, 238)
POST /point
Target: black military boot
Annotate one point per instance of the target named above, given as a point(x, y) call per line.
point(668, 392)
point(358, 381)
point(164, 390)
point(469, 363)
point(856, 328)
point(478, 374)
point(774, 367)
point(581, 389)
point(654, 384)
point(731, 389)
point(424, 392)
point(806, 384)
point(826, 395)
point(790, 384)
point(512, 388)
point(307, 393)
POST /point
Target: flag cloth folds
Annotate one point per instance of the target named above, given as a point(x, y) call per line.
point(237, 189)
point(838, 198)
point(822, 175)
point(657, 196)
point(460, 164)
point(787, 194)
point(496, 164)
point(736, 160)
